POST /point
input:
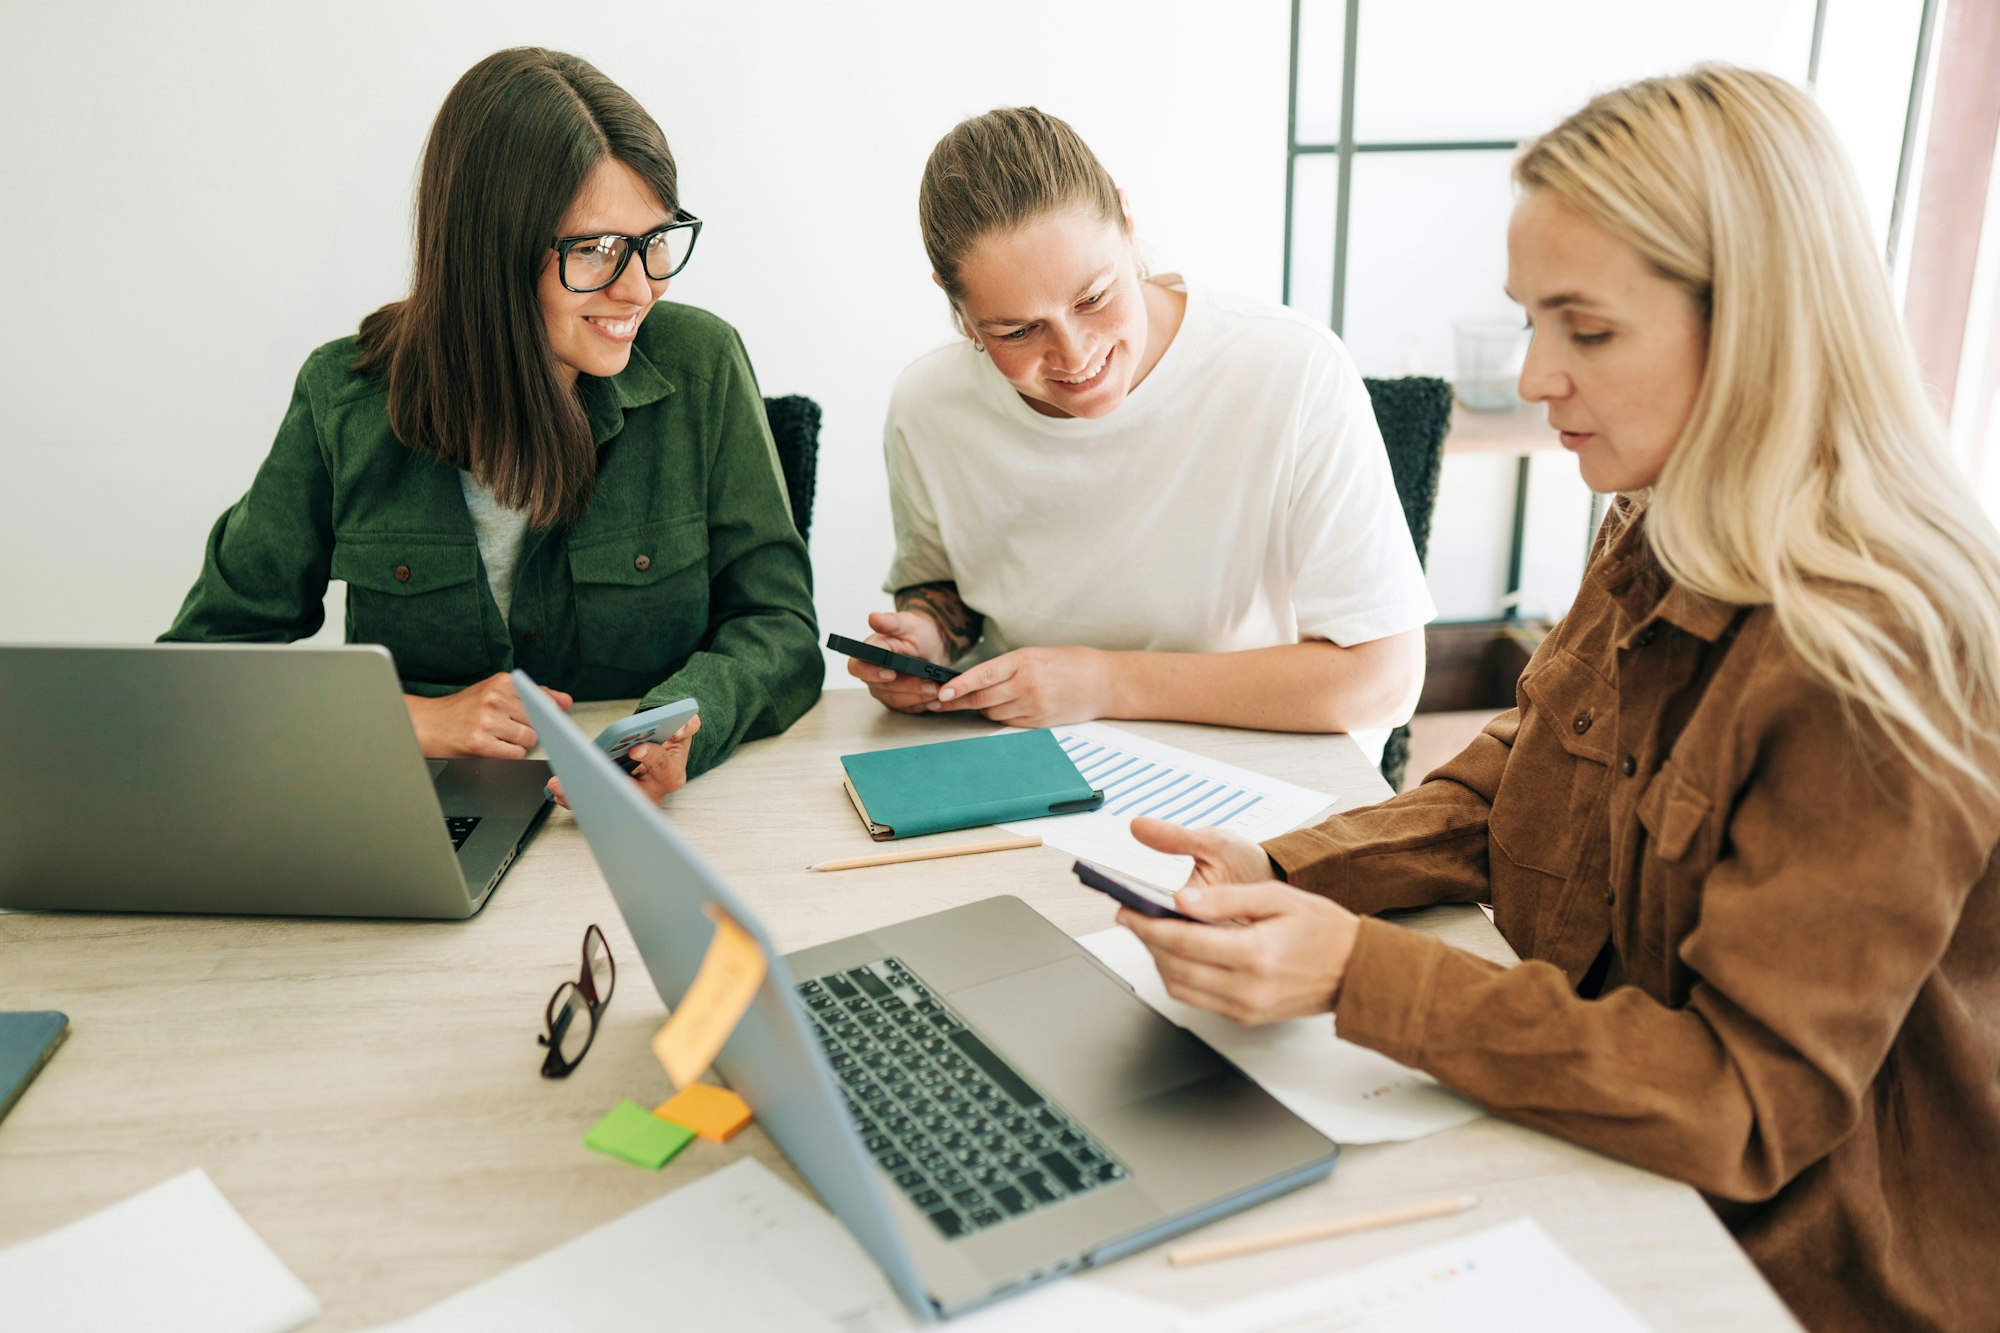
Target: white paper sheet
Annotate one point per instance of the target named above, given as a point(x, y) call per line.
point(1510, 1279)
point(1068, 1303)
point(1348, 1093)
point(175, 1257)
point(1143, 777)
point(739, 1249)
point(736, 1249)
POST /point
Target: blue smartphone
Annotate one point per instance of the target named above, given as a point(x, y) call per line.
point(1141, 898)
point(654, 725)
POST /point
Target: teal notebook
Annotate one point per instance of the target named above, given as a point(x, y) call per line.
point(922, 789)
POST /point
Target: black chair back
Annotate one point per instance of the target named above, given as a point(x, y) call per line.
point(795, 430)
point(1414, 414)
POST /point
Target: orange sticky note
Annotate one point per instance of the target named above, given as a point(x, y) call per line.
point(714, 1113)
point(723, 988)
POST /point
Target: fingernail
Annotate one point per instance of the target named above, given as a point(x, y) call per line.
point(946, 693)
point(1191, 897)
point(932, 708)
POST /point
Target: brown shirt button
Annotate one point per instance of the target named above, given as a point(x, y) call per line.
point(532, 637)
point(402, 573)
point(1582, 723)
point(1610, 895)
point(1628, 766)
point(1647, 635)
point(642, 563)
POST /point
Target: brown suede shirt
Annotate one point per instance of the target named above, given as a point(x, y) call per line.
point(1760, 954)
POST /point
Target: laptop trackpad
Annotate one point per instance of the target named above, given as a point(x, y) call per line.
point(1083, 1038)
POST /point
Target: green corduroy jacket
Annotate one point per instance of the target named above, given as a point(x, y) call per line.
point(684, 577)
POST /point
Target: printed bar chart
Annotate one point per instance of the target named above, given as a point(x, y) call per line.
point(1145, 778)
point(1134, 786)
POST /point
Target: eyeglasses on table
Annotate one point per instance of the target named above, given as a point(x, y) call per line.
point(570, 1021)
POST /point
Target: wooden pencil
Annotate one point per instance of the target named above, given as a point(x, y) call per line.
point(1182, 1255)
point(925, 854)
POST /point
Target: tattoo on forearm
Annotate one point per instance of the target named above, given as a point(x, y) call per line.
point(958, 624)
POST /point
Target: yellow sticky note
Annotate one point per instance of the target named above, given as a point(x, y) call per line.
point(723, 988)
point(714, 1113)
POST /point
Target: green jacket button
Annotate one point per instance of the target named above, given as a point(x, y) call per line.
point(402, 573)
point(642, 563)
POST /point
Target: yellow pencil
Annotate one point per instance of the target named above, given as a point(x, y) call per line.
point(1182, 1255)
point(925, 854)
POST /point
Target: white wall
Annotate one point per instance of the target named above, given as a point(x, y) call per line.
point(196, 195)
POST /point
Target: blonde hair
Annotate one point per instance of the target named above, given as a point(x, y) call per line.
point(1000, 171)
point(1812, 475)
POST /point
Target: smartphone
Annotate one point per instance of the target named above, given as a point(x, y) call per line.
point(1142, 898)
point(882, 657)
point(654, 725)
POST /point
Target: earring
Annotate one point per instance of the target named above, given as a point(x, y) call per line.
point(979, 347)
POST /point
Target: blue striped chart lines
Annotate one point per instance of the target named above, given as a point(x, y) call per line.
point(1135, 786)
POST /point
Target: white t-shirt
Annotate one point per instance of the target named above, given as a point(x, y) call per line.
point(1240, 497)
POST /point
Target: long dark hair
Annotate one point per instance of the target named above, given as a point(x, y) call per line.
point(471, 377)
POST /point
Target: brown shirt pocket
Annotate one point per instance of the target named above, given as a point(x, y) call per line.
point(1676, 859)
point(1546, 805)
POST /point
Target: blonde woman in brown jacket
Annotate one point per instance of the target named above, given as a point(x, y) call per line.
point(1741, 824)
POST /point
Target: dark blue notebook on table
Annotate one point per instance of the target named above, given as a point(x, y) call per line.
point(918, 789)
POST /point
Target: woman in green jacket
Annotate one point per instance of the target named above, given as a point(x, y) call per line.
point(532, 461)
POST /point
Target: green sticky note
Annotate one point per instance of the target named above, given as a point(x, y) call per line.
point(632, 1132)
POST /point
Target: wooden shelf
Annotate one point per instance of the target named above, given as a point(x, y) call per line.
point(1514, 432)
point(1474, 663)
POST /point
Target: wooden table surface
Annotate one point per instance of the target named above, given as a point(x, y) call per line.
point(367, 1093)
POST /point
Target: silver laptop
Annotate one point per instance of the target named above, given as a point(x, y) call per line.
point(983, 1103)
point(254, 779)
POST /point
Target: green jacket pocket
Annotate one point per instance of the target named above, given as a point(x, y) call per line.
point(642, 595)
point(420, 599)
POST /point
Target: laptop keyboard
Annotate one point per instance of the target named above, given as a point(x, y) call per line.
point(964, 1136)
point(460, 827)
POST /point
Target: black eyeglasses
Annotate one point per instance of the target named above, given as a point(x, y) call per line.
point(592, 263)
point(571, 1017)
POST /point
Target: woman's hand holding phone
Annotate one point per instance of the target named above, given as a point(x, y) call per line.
point(654, 726)
point(912, 634)
point(660, 769)
point(1219, 858)
point(1287, 959)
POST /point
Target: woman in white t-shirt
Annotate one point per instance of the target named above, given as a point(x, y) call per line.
point(1122, 497)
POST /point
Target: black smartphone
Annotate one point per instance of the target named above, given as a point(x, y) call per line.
point(1142, 898)
point(882, 657)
